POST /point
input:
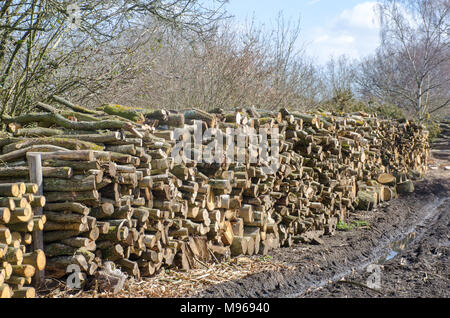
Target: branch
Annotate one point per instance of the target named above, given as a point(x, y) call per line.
point(440, 107)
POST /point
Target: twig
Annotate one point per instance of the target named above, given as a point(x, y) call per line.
point(212, 254)
point(202, 263)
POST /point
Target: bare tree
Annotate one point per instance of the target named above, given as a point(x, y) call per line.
point(338, 76)
point(412, 66)
point(44, 44)
point(228, 69)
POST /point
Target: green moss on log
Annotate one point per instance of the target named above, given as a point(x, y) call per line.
point(126, 112)
point(68, 143)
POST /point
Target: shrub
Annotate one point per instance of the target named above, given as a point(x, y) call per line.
point(387, 110)
point(433, 128)
point(344, 102)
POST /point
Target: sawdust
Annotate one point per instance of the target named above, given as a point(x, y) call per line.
point(175, 283)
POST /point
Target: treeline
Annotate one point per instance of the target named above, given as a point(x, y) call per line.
point(178, 54)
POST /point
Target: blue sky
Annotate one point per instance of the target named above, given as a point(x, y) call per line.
point(328, 27)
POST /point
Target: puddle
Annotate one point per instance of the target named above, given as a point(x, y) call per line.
point(390, 256)
point(396, 247)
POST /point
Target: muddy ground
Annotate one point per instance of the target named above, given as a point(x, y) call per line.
point(421, 270)
point(418, 223)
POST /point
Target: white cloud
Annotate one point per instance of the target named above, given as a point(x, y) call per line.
point(310, 3)
point(361, 16)
point(354, 32)
point(343, 39)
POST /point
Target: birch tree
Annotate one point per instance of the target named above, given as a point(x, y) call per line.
point(412, 65)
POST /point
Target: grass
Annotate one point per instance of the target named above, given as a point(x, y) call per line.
point(342, 226)
point(360, 223)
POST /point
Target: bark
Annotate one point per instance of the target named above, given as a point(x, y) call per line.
point(68, 143)
point(59, 120)
point(125, 112)
point(74, 207)
point(22, 152)
point(71, 196)
point(75, 107)
point(77, 183)
point(38, 132)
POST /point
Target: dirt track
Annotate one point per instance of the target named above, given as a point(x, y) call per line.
point(420, 270)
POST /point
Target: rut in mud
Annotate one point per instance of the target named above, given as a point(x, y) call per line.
point(421, 271)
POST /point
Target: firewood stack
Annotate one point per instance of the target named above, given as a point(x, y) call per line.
point(115, 192)
point(18, 264)
point(442, 141)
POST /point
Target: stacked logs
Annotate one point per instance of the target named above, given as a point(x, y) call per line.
point(18, 264)
point(71, 232)
point(442, 141)
point(116, 191)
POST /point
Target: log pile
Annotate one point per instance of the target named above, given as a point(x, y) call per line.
point(442, 142)
point(116, 192)
point(18, 264)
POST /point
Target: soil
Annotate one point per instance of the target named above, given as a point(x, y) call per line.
point(417, 225)
point(421, 270)
point(408, 238)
